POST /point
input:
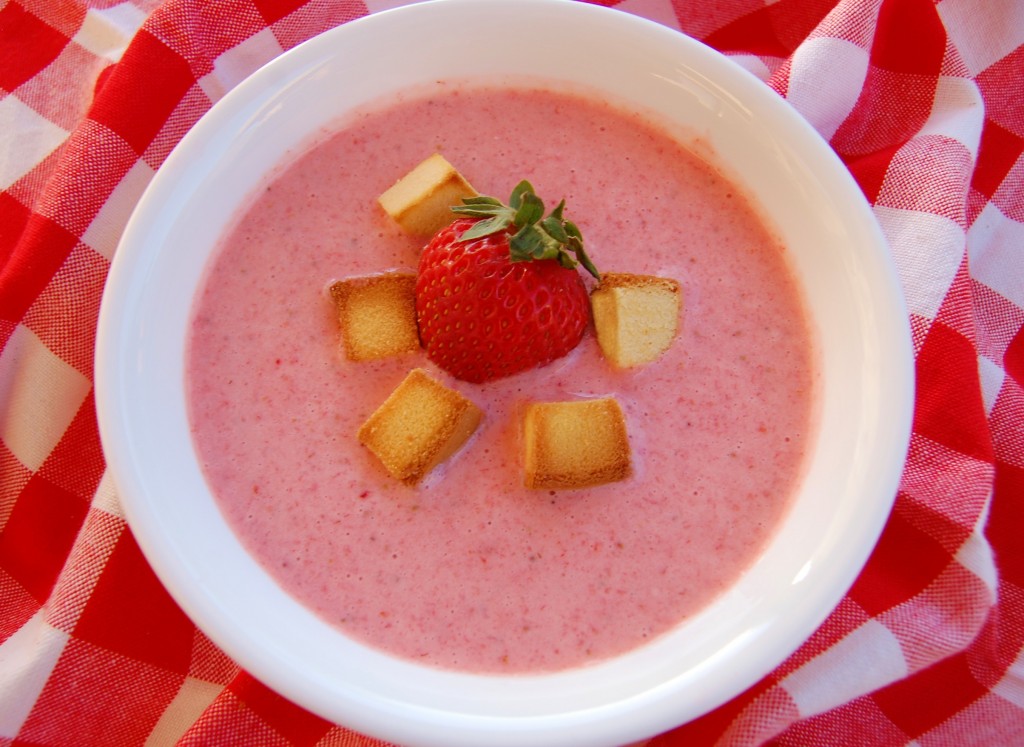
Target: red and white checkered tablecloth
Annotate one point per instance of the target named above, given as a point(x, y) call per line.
point(922, 99)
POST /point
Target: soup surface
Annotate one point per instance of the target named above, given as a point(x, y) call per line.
point(470, 570)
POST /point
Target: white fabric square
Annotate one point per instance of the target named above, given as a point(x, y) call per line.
point(867, 659)
point(825, 81)
point(194, 697)
point(106, 228)
point(39, 396)
point(992, 378)
point(26, 138)
point(995, 244)
point(958, 112)
point(106, 32)
point(928, 250)
point(106, 498)
point(239, 62)
point(983, 31)
point(976, 556)
point(27, 659)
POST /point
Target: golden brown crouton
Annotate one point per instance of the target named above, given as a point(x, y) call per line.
point(636, 317)
point(420, 425)
point(575, 444)
point(420, 201)
point(377, 315)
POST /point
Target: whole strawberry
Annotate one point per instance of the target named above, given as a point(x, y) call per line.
point(498, 291)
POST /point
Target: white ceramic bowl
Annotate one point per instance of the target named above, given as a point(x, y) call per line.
point(840, 256)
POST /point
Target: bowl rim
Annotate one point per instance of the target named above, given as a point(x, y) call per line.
point(651, 706)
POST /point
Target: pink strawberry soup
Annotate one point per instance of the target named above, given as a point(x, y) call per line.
point(470, 570)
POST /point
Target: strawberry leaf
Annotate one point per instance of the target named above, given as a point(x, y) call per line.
point(486, 227)
point(481, 200)
point(516, 200)
point(534, 236)
point(555, 229)
point(530, 210)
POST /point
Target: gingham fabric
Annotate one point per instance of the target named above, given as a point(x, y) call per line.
point(923, 102)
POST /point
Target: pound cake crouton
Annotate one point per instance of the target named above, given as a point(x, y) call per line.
point(420, 201)
point(575, 444)
point(420, 425)
point(636, 317)
point(377, 315)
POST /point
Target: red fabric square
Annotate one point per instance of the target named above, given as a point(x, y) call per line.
point(700, 20)
point(870, 170)
point(143, 91)
point(67, 18)
point(925, 700)
point(27, 45)
point(274, 10)
point(1005, 522)
point(1013, 359)
point(997, 153)
point(789, 21)
point(903, 563)
point(39, 534)
point(892, 108)
point(130, 613)
point(77, 463)
point(101, 80)
point(897, 96)
point(898, 49)
point(295, 724)
point(947, 410)
point(13, 217)
point(43, 249)
point(7, 328)
point(97, 697)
